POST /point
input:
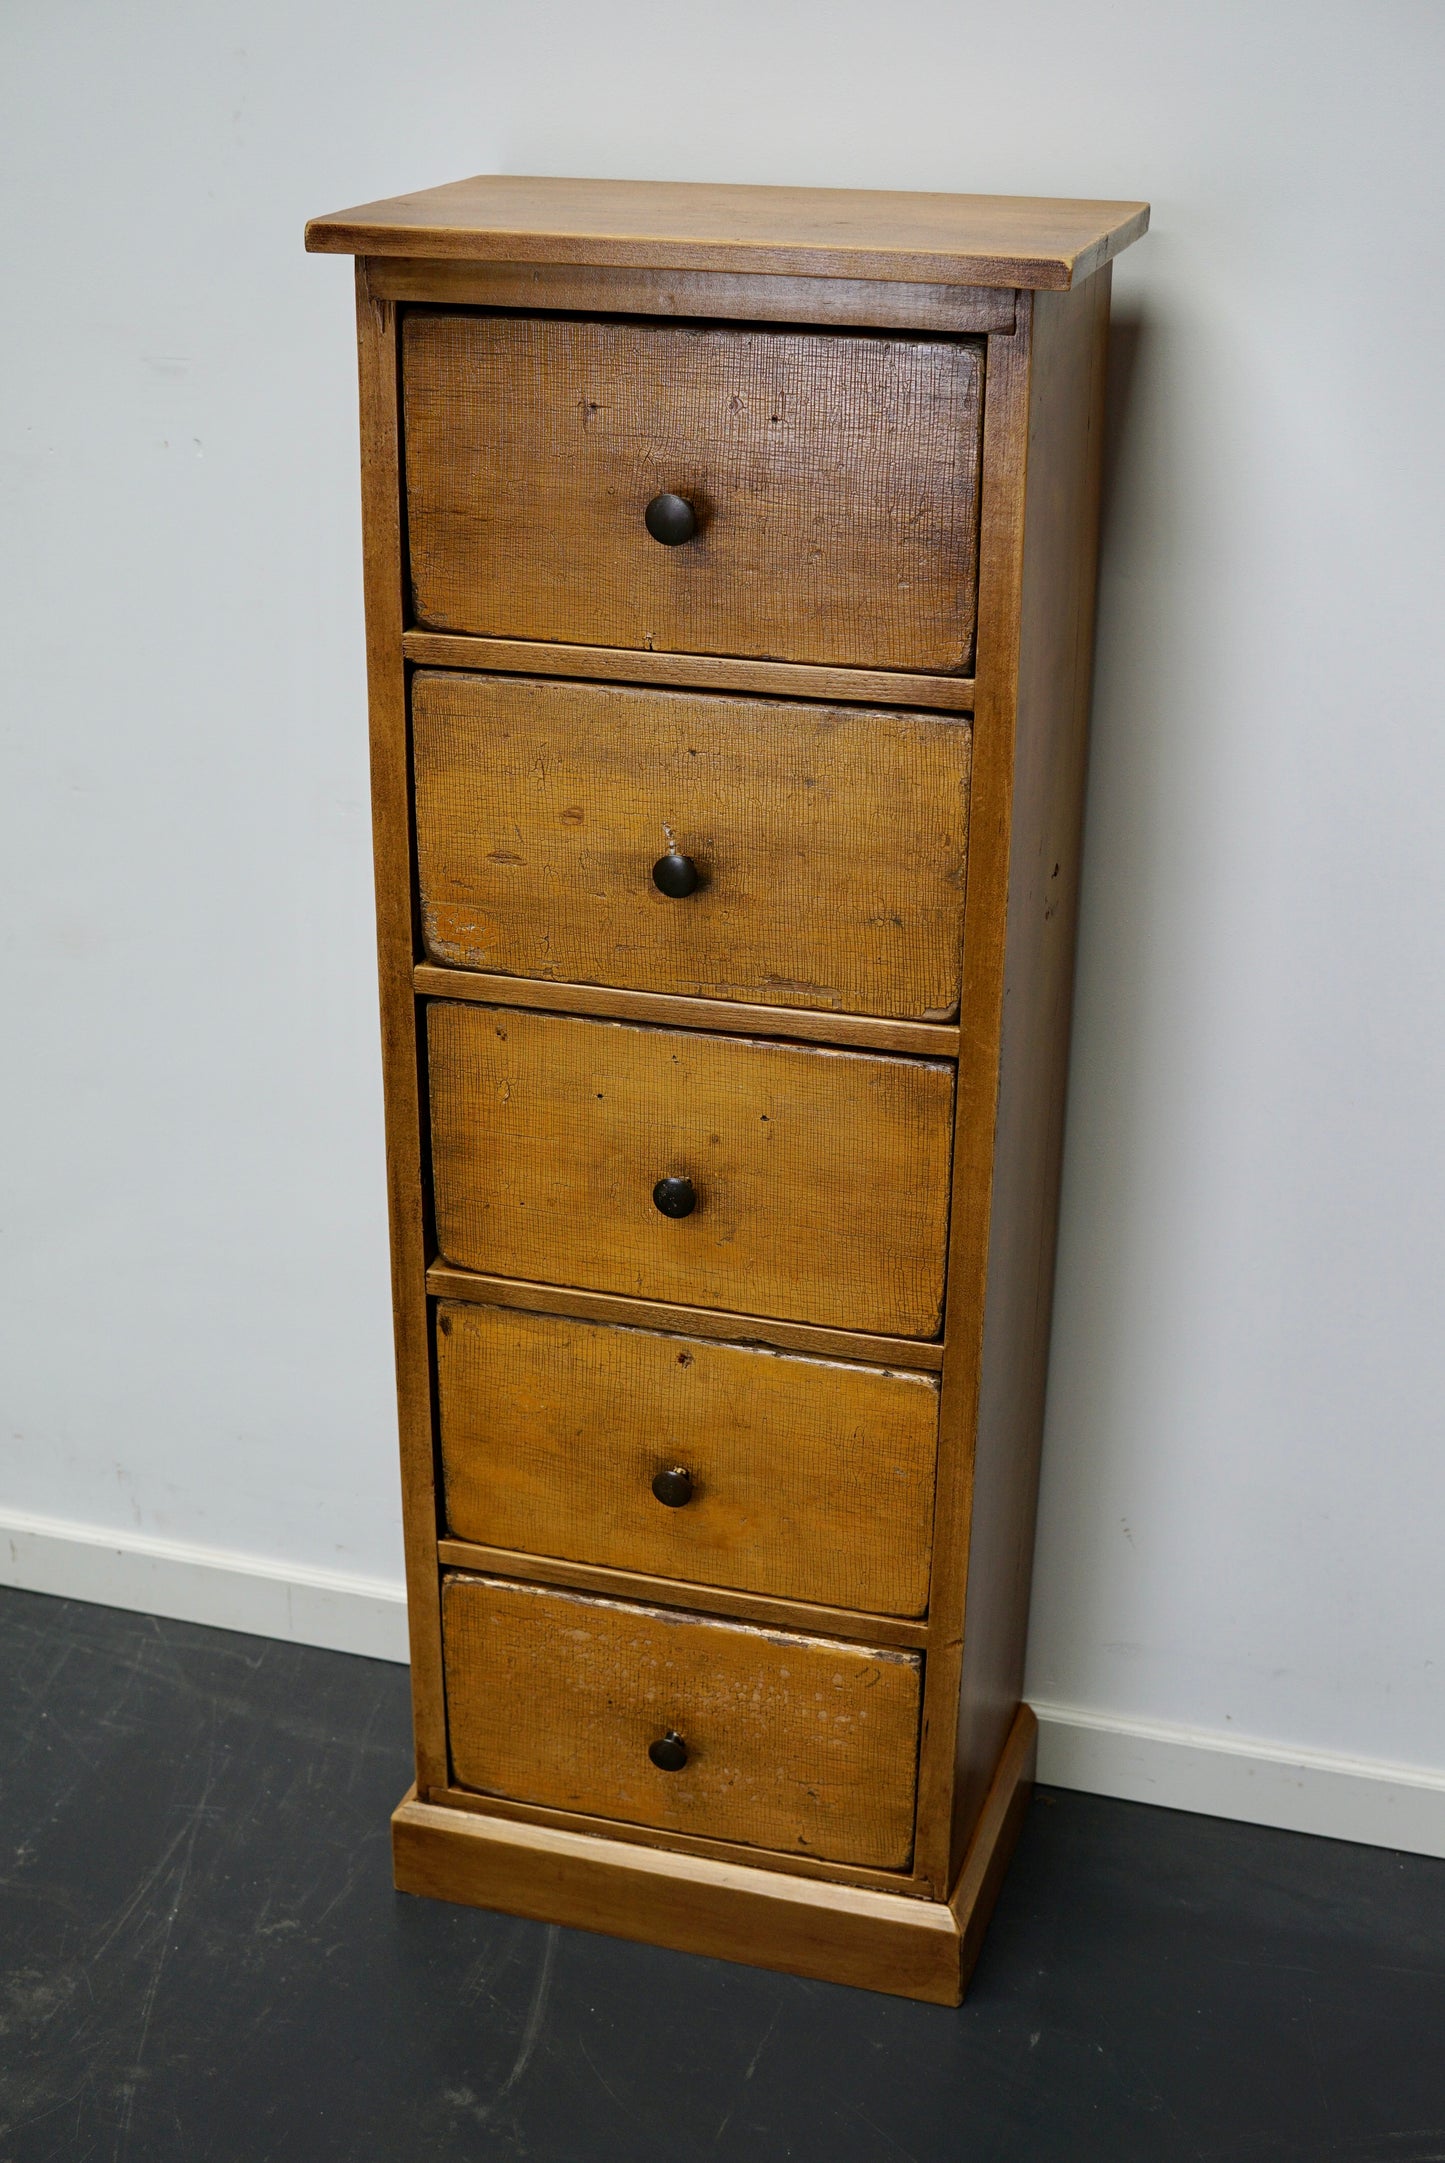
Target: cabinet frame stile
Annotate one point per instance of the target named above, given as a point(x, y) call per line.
point(397, 950)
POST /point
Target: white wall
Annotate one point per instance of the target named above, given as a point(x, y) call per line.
point(1243, 1484)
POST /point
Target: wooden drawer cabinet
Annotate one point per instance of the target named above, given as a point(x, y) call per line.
point(729, 575)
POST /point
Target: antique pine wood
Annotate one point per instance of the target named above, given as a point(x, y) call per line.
point(699, 1902)
point(563, 1462)
point(835, 478)
point(1052, 647)
point(541, 808)
point(808, 1926)
point(838, 1260)
point(406, 1168)
point(444, 1282)
point(793, 1742)
point(794, 1862)
point(549, 1134)
point(676, 1010)
point(788, 1613)
point(700, 671)
point(1007, 240)
point(858, 303)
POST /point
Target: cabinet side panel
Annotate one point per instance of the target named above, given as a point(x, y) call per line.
point(1066, 414)
point(1001, 528)
point(396, 956)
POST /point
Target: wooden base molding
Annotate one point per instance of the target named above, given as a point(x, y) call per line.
point(908, 1947)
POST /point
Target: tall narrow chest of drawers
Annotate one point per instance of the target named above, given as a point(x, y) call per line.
point(729, 589)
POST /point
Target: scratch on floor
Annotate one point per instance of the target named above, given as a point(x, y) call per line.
point(605, 2085)
point(196, 1813)
point(763, 2042)
point(533, 2026)
point(896, 2146)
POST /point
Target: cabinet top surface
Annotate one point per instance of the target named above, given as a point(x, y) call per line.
point(1008, 240)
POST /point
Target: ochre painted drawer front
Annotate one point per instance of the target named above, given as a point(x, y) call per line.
point(822, 1176)
point(830, 842)
point(835, 477)
point(811, 1479)
point(793, 1742)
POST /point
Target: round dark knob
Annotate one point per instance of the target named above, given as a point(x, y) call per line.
point(669, 1752)
point(675, 1197)
point(675, 875)
point(673, 1487)
point(671, 520)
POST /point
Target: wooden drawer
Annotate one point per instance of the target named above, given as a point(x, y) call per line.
point(821, 1176)
point(829, 842)
point(792, 1742)
point(834, 475)
point(810, 1479)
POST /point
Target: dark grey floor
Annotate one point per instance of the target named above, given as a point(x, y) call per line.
point(202, 1961)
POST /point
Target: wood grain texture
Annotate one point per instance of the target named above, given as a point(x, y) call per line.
point(667, 1010)
point(822, 1176)
point(794, 1862)
point(799, 1926)
point(395, 937)
point(1055, 653)
point(558, 288)
point(999, 240)
point(732, 1909)
point(993, 1839)
point(835, 476)
point(811, 1480)
point(831, 842)
point(696, 671)
point(923, 1354)
point(1006, 438)
point(793, 1742)
point(759, 1607)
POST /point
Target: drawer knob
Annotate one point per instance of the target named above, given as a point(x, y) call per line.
point(675, 1197)
point(669, 1752)
point(671, 520)
point(675, 875)
point(673, 1488)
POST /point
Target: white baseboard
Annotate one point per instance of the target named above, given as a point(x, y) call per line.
point(1178, 1768)
point(1234, 1776)
point(332, 1608)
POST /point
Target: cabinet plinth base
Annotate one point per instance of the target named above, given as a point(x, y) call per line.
point(766, 1918)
